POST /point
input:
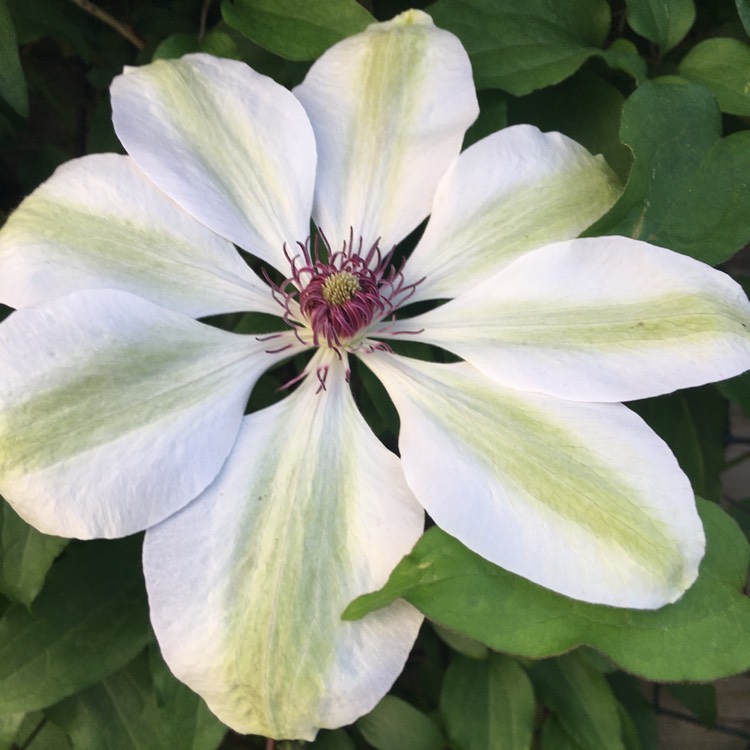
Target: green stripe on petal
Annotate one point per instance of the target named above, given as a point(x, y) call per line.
point(114, 413)
point(389, 108)
point(514, 191)
point(247, 584)
point(99, 223)
point(600, 319)
point(581, 498)
point(229, 145)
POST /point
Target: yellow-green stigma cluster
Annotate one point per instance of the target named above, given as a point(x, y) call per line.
point(340, 288)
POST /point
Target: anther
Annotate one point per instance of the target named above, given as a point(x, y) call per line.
point(340, 287)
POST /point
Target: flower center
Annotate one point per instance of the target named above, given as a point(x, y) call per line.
point(335, 296)
point(339, 288)
point(340, 299)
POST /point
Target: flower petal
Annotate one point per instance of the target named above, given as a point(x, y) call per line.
point(99, 223)
point(581, 498)
point(114, 413)
point(247, 584)
point(389, 108)
point(516, 190)
point(230, 146)
point(600, 319)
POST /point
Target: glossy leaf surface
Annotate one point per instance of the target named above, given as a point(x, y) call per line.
point(25, 556)
point(90, 620)
point(488, 704)
point(664, 22)
point(523, 45)
point(689, 188)
point(123, 712)
point(12, 81)
point(460, 590)
point(296, 29)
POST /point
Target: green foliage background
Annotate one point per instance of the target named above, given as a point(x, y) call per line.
point(662, 89)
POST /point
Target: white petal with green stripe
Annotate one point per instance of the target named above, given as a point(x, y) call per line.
point(114, 413)
point(229, 145)
point(389, 108)
point(511, 192)
point(98, 223)
point(247, 584)
point(600, 319)
point(581, 498)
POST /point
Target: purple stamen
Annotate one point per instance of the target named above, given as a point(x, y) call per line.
point(322, 373)
point(337, 296)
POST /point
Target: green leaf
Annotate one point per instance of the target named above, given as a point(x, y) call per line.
point(694, 425)
point(428, 668)
point(217, 43)
point(25, 556)
point(12, 82)
point(38, 733)
point(740, 511)
point(90, 619)
point(623, 55)
point(488, 704)
point(723, 65)
point(689, 189)
point(40, 18)
point(629, 693)
point(630, 738)
point(554, 736)
point(100, 136)
point(460, 643)
point(493, 116)
point(378, 407)
point(698, 699)
point(581, 700)
point(523, 45)
point(38, 163)
point(122, 713)
point(176, 45)
point(710, 413)
point(460, 590)
point(743, 9)
point(664, 22)
point(586, 108)
point(597, 661)
point(337, 739)
point(186, 719)
point(394, 724)
point(738, 390)
point(220, 44)
point(9, 726)
point(296, 29)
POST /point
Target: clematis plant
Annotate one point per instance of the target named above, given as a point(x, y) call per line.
point(122, 411)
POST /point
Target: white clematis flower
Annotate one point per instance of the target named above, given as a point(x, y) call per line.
point(121, 412)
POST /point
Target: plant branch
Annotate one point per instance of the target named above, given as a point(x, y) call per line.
point(121, 28)
point(204, 19)
point(30, 738)
point(736, 460)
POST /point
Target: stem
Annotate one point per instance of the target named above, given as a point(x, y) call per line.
point(30, 738)
point(736, 460)
point(121, 28)
point(204, 19)
point(270, 744)
point(720, 728)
